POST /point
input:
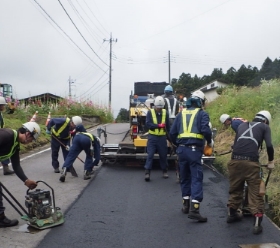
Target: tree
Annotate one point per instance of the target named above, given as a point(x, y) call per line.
point(123, 115)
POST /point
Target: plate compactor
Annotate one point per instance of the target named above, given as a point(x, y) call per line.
point(41, 211)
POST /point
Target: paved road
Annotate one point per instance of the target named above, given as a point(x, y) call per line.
point(119, 209)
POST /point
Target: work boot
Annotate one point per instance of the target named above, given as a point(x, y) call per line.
point(63, 175)
point(7, 171)
point(5, 222)
point(186, 206)
point(87, 175)
point(147, 175)
point(164, 174)
point(194, 213)
point(257, 229)
point(56, 170)
point(233, 216)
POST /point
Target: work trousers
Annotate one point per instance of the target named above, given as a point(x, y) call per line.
point(240, 171)
point(55, 146)
point(191, 172)
point(80, 143)
point(156, 144)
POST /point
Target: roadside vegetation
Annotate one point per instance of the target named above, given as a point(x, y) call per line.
point(245, 102)
point(63, 108)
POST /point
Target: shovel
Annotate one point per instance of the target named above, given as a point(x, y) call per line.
point(266, 205)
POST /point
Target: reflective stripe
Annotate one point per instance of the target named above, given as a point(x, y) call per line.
point(4, 157)
point(158, 131)
point(250, 130)
point(189, 128)
point(61, 129)
point(171, 112)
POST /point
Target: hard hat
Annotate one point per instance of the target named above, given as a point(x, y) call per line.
point(198, 94)
point(3, 100)
point(264, 115)
point(77, 120)
point(168, 88)
point(159, 102)
point(33, 128)
point(224, 117)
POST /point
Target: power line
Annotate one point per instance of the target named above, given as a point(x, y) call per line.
point(80, 33)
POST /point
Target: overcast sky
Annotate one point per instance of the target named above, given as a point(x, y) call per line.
point(45, 42)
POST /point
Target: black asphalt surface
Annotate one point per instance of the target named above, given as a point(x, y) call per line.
point(119, 209)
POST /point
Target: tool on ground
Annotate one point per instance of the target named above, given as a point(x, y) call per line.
point(41, 210)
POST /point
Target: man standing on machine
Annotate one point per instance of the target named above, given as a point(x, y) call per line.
point(9, 148)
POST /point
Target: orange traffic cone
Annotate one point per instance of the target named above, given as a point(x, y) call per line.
point(34, 117)
point(48, 119)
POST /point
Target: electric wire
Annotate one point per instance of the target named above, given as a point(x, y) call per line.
point(81, 33)
point(68, 36)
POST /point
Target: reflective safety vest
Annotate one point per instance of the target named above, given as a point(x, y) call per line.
point(61, 129)
point(189, 121)
point(91, 138)
point(10, 154)
point(172, 111)
point(158, 131)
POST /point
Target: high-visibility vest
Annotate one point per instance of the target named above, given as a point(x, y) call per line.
point(189, 123)
point(158, 131)
point(10, 154)
point(172, 111)
point(61, 129)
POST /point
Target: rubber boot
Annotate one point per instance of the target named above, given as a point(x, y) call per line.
point(257, 229)
point(194, 213)
point(233, 215)
point(147, 175)
point(186, 206)
point(5, 222)
point(164, 174)
point(63, 174)
point(87, 175)
point(7, 171)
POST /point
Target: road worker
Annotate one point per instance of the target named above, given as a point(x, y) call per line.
point(172, 105)
point(157, 122)
point(60, 129)
point(9, 149)
point(87, 142)
point(189, 132)
point(244, 166)
point(232, 122)
point(5, 163)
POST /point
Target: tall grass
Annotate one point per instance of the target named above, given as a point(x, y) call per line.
point(245, 102)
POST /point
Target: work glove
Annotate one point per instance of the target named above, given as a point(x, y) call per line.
point(207, 151)
point(270, 165)
point(30, 184)
point(67, 148)
point(48, 132)
point(161, 125)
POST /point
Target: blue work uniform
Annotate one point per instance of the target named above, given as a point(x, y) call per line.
point(2, 123)
point(157, 138)
point(189, 132)
point(60, 137)
point(87, 142)
point(235, 122)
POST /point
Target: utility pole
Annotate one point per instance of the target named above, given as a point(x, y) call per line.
point(169, 76)
point(110, 68)
point(70, 82)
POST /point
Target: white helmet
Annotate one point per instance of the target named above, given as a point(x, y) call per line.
point(3, 100)
point(224, 117)
point(33, 128)
point(77, 120)
point(264, 115)
point(198, 94)
point(159, 102)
